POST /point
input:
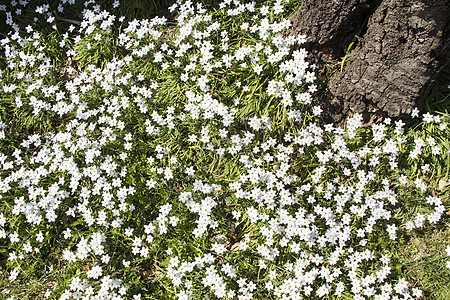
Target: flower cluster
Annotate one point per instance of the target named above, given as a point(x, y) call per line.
point(191, 155)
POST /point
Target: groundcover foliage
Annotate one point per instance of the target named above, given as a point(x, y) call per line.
point(144, 159)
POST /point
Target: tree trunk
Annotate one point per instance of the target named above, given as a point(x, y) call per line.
point(329, 25)
point(393, 67)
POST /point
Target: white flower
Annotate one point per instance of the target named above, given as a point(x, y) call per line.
point(129, 231)
point(190, 171)
point(317, 111)
point(67, 233)
point(13, 275)
point(27, 247)
point(218, 248)
point(151, 183)
point(105, 258)
point(125, 263)
point(137, 297)
point(428, 118)
point(69, 255)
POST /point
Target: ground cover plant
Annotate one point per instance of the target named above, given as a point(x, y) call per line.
point(151, 159)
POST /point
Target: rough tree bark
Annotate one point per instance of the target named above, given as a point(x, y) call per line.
point(394, 65)
point(329, 25)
